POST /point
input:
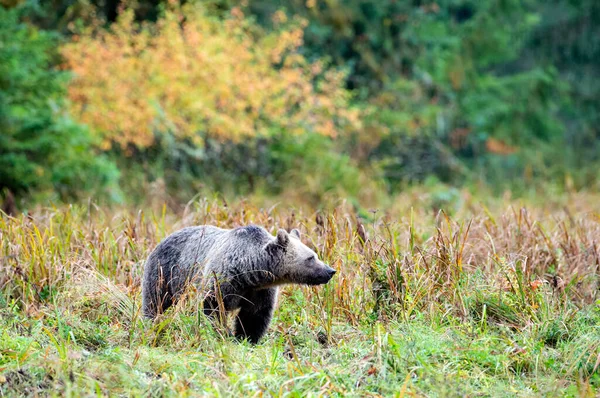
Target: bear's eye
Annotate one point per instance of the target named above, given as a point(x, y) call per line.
point(310, 259)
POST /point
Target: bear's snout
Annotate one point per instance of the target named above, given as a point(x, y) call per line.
point(329, 273)
point(319, 276)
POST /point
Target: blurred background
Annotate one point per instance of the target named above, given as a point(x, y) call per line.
point(307, 101)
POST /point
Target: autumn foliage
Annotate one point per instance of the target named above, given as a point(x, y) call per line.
point(196, 76)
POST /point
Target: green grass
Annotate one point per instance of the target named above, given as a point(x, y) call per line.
point(499, 302)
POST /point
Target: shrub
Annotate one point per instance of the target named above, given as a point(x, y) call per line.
point(195, 76)
point(198, 101)
point(41, 147)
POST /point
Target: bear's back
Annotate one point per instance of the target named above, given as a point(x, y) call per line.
point(199, 242)
point(252, 235)
point(241, 245)
point(212, 247)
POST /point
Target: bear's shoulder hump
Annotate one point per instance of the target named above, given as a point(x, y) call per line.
point(252, 232)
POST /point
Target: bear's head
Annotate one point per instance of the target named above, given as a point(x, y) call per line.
point(299, 264)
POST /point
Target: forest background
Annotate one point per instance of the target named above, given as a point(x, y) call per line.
point(309, 101)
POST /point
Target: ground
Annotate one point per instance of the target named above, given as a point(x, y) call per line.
point(473, 301)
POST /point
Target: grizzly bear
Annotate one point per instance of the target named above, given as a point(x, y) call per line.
point(243, 267)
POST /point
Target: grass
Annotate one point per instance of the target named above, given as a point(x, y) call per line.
point(488, 302)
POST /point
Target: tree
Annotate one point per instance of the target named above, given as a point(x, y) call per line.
point(41, 147)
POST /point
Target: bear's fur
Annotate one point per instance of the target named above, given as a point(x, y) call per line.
point(243, 267)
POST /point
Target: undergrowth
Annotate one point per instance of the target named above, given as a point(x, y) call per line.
point(500, 302)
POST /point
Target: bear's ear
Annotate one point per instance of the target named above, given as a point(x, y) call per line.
point(280, 243)
point(283, 238)
point(295, 232)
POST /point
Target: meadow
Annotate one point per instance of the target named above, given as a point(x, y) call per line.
point(442, 156)
point(490, 300)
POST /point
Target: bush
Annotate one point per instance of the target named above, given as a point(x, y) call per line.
point(41, 147)
point(217, 103)
point(306, 169)
point(193, 76)
point(457, 82)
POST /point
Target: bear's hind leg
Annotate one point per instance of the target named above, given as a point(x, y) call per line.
point(156, 297)
point(255, 314)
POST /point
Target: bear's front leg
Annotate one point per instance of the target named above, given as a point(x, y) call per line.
point(255, 314)
point(218, 302)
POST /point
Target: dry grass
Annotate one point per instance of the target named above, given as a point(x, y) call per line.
point(481, 303)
